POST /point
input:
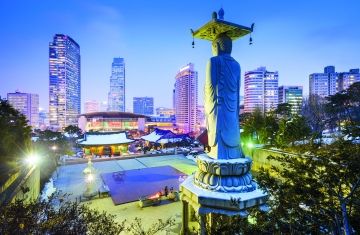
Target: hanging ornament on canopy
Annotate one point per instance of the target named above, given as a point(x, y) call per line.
point(252, 30)
point(193, 42)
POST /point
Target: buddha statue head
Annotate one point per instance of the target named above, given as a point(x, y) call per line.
point(222, 44)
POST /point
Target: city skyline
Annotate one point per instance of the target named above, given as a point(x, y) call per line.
point(303, 44)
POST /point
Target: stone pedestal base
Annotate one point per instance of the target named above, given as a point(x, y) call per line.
point(204, 202)
point(221, 187)
point(232, 175)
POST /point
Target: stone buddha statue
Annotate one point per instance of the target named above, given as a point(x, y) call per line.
point(222, 86)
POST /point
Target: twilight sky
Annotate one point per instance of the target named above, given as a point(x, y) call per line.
point(295, 38)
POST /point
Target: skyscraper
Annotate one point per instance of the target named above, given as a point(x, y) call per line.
point(116, 97)
point(323, 84)
point(261, 90)
point(186, 98)
point(64, 81)
point(143, 105)
point(27, 104)
point(291, 95)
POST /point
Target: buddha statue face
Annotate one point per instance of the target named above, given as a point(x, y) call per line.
point(222, 44)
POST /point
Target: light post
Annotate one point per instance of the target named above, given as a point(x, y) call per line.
point(250, 145)
point(32, 159)
point(90, 180)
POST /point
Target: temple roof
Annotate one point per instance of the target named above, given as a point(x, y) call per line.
point(105, 139)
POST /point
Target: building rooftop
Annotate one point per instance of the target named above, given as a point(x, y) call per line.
point(113, 114)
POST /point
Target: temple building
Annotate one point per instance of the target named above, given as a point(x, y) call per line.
point(113, 143)
point(111, 121)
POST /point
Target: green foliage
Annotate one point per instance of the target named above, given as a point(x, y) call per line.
point(292, 130)
point(14, 134)
point(314, 112)
point(284, 110)
point(137, 228)
point(252, 124)
point(233, 225)
point(49, 146)
point(277, 128)
point(315, 193)
point(55, 217)
point(59, 216)
point(343, 110)
point(73, 131)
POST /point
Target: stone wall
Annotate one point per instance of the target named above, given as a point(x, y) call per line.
point(259, 157)
point(26, 186)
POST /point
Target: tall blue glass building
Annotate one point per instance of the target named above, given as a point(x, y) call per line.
point(143, 105)
point(64, 81)
point(116, 97)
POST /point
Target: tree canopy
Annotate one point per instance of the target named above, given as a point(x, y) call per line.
point(14, 135)
point(60, 216)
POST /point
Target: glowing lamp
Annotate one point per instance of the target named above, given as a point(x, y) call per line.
point(250, 145)
point(32, 159)
point(90, 178)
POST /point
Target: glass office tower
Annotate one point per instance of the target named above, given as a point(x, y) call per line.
point(116, 96)
point(64, 81)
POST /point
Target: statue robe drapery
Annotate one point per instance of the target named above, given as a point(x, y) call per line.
point(222, 86)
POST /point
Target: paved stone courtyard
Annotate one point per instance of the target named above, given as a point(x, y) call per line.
point(70, 179)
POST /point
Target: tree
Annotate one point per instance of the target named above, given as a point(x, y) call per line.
point(284, 110)
point(73, 131)
point(252, 124)
point(55, 216)
point(49, 146)
point(292, 130)
point(270, 128)
point(137, 228)
point(313, 111)
point(14, 135)
point(59, 216)
point(315, 193)
point(343, 110)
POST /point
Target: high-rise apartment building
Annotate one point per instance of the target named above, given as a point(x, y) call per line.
point(116, 96)
point(323, 84)
point(346, 79)
point(92, 106)
point(64, 81)
point(292, 95)
point(330, 82)
point(186, 98)
point(261, 90)
point(143, 105)
point(27, 104)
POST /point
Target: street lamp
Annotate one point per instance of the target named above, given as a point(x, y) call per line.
point(32, 159)
point(54, 147)
point(89, 178)
point(250, 145)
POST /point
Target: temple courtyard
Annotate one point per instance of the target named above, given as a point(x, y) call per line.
point(154, 170)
